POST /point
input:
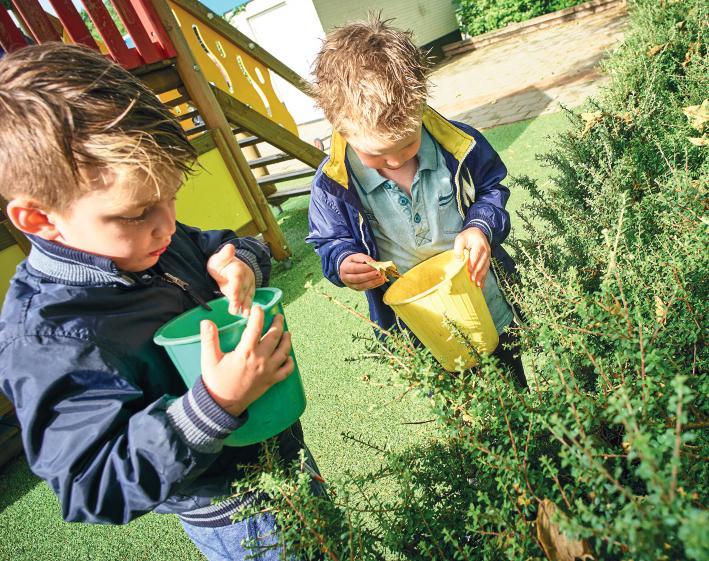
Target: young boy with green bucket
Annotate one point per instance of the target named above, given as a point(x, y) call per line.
point(90, 164)
point(402, 183)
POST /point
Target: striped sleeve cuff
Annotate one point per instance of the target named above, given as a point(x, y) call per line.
point(200, 421)
point(250, 259)
point(481, 225)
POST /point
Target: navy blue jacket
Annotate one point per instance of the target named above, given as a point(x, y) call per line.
point(106, 419)
point(339, 228)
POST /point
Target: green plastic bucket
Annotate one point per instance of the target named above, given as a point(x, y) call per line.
point(275, 410)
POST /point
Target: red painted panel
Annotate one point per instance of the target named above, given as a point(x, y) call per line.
point(148, 51)
point(36, 20)
point(72, 22)
point(11, 38)
point(128, 58)
point(155, 28)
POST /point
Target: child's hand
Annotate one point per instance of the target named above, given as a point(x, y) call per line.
point(236, 379)
point(356, 274)
point(475, 241)
point(235, 278)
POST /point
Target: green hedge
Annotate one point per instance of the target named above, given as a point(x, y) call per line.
point(480, 16)
point(609, 447)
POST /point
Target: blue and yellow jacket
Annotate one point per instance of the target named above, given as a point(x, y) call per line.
point(339, 228)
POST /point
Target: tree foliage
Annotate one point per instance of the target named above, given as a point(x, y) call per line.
point(114, 16)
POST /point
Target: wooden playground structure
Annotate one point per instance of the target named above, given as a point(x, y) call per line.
point(217, 82)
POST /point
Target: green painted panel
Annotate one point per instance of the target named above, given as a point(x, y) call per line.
point(9, 258)
point(210, 199)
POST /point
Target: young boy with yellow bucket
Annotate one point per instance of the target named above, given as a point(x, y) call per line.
point(404, 184)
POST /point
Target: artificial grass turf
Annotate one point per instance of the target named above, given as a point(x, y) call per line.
point(339, 399)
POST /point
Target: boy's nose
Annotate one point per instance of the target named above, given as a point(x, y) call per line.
point(164, 225)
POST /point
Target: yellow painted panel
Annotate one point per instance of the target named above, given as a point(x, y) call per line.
point(232, 70)
point(210, 199)
point(9, 258)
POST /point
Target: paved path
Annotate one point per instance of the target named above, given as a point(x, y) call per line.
point(521, 77)
point(527, 76)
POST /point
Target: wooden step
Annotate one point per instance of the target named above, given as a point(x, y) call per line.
point(285, 176)
point(268, 160)
point(248, 141)
point(279, 196)
point(196, 130)
point(240, 114)
point(188, 115)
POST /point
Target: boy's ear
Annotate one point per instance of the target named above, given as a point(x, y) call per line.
point(29, 217)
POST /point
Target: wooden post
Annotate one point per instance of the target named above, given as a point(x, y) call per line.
point(220, 141)
point(202, 96)
point(253, 153)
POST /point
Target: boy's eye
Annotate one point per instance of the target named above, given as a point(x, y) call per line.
point(138, 218)
point(142, 216)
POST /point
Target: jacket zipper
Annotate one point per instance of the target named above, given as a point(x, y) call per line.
point(456, 179)
point(495, 272)
point(185, 287)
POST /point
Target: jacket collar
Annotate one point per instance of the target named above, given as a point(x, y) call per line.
point(73, 266)
point(453, 140)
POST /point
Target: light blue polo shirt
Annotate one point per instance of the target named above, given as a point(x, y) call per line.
point(410, 230)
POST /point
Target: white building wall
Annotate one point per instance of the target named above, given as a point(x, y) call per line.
point(428, 19)
point(291, 31)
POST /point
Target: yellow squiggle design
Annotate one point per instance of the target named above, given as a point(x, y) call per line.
point(254, 85)
point(213, 58)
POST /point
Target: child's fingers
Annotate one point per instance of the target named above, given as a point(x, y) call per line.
point(222, 258)
point(281, 352)
point(359, 258)
point(240, 293)
point(459, 246)
point(270, 341)
point(246, 297)
point(479, 271)
point(232, 291)
point(286, 369)
point(285, 344)
point(368, 284)
point(211, 354)
point(360, 278)
point(254, 327)
point(356, 268)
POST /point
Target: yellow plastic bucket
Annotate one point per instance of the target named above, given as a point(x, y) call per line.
point(440, 290)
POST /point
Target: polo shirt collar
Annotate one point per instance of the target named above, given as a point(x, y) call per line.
point(369, 179)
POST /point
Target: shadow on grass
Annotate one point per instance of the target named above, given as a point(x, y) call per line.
point(16, 480)
point(305, 264)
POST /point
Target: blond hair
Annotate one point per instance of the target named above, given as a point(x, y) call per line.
point(67, 111)
point(370, 79)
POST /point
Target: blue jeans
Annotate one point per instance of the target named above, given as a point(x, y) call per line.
point(232, 542)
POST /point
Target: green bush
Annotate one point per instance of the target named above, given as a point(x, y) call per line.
point(480, 16)
point(613, 431)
